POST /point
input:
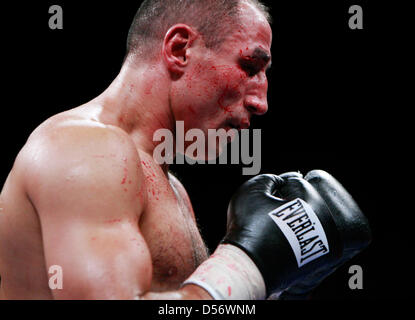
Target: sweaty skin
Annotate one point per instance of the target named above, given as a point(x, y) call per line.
point(85, 194)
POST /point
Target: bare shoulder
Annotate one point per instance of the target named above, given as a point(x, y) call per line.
point(65, 148)
point(78, 138)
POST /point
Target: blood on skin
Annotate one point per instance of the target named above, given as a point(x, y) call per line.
point(233, 267)
point(125, 171)
point(131, 88)
point(221, 280)
point(190, 108)
point(148, 88)
point(121, 119)
point(191, 75)
point(155, 193)
point(139, 194)
point(230, 90)
point(229, 291)
point(150, 176)
point(145, 164)
point(112, 221)
point(245, 121)
point(221, 101)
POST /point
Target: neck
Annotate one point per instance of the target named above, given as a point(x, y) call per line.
point(138, 102)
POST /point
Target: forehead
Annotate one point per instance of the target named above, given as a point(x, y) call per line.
point(253, 31)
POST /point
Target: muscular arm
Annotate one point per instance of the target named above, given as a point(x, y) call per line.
point(85, 184)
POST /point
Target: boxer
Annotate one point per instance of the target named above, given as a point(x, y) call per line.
point(85, 193)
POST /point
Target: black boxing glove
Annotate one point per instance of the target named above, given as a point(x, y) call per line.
point(286, 228)
point(352, 224)
point(280, 230)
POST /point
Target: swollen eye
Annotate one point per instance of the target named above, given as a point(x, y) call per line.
point(249, 67)
point(251, 71)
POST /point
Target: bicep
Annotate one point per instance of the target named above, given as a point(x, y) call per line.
point(88, 201)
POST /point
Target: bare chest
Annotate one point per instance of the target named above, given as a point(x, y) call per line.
point(171, 233)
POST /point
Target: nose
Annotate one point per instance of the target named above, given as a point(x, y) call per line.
point(258, 108)
point(256, 100)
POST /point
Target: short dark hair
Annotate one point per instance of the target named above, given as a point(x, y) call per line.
point(155, 17)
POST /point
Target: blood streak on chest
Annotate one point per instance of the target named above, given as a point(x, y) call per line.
point(124, 179)
point(150, 177)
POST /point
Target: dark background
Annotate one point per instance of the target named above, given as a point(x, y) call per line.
point(326, 96)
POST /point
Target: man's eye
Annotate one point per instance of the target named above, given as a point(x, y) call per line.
point(250, 68)
point(251, 71)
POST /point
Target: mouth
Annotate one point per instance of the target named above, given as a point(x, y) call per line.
point(237, 124)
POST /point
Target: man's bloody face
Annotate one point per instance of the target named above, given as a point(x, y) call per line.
point(223, 88)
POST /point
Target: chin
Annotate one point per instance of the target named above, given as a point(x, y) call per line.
point(215, 152)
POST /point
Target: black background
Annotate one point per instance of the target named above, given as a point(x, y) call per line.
point(326, 111)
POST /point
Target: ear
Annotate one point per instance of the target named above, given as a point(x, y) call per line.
point(177, 42)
